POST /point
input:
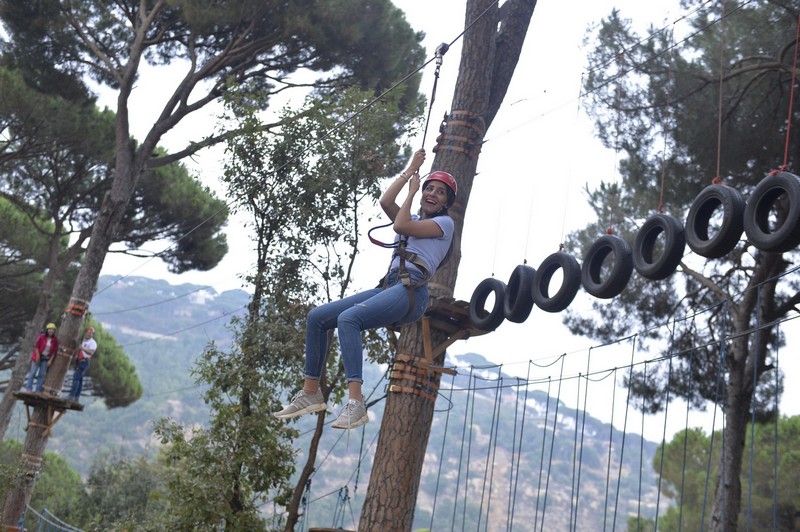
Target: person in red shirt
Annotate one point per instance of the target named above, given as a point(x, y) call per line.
point(44, 352)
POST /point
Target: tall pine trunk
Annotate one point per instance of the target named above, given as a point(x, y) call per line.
point(491, 47)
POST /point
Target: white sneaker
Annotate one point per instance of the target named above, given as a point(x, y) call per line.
point(354, 414)
point(303, 403)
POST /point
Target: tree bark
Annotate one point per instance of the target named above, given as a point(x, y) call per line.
point(491, 49)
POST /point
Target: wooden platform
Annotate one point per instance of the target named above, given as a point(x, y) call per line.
point(451, 317)
point(56, 406)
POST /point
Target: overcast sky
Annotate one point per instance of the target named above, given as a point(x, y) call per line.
point(539, 155)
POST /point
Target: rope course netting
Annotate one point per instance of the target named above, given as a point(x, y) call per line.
point(558, 445)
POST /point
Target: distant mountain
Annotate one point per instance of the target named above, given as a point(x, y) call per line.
point(496, 449)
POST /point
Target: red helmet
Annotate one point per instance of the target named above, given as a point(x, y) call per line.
point(445, 178)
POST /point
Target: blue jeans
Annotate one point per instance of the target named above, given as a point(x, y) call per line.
point(39, 367)
point(77, 378)
point(378, 307)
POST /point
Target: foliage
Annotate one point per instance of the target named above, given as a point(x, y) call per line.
point(112, 373)
point(124, 493)
point(657, 105)
point(59, 488)
point(305, 210)
point(771, 484)
point(681, 112)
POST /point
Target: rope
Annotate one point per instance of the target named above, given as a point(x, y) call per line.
point(755, 356)
point(664, 432)
point(610, 444)
point(721, 78)
point(541, 458)
point(791, 97)
point(624, 434)
point(583, 434)
point(552, 446)
point(685, 446)
point(515, 473)
point(441, 452)
point(491, 449)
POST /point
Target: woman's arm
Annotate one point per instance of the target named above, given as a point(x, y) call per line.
point(404, 225)
point(388, 200)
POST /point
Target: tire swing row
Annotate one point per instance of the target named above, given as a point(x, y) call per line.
point(770, 219)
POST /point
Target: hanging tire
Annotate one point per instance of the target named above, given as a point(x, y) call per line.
point(730, 229)
point(674, 243)
point(518, 303)
point(480, 318)
point(618, 274)
point(762, 204)
point(540, 290)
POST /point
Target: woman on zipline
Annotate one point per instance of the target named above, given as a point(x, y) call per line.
point(421, 243)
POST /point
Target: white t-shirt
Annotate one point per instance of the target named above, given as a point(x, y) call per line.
point(89, 344)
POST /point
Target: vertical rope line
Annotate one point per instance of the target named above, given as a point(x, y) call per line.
point(488, 470)
point(667, 120)
point(567, 192)
point(624, 433)
point(756, 341)
point(664, 433)
point(515, 472)
point(461, 454)
point(541, 457)
point(469, 451)
point(583, 433)
point(720, 366)
point(721, 78)
point(641, 451)
point(574, 455)
point(552, 440)
point(775, 440)
point(441, 452)
point(685, 445)
point(791, 96)
point(610, 446)
point(617, 126)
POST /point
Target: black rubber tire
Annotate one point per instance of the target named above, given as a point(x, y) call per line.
point(731, 228)
point(480, 318)
point(619, 274)
point(761, 205)
point(571, 272)
point(661, 267)
point(518, 303)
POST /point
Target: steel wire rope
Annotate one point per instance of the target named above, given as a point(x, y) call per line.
point(583, 433)
point(552, 447)
point(641, 452)
point(719, 101)
point(514, 474)
point(685, 449)
point(469, 453)
point(441, 452)
point(756, 344)
point(319, 140)
point(161, 302)
point(461, 458)
point(664, 430)
point(491, 450)
point(775, 440)
point(572, 502)
point(190, 327)
point(624, 434)
point(632, 69)
point(541, 456)
point(610, 447)
point(791, 97)
point(717, 394)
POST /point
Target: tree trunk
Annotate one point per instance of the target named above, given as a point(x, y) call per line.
point(491, 48)
point(128, 171)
